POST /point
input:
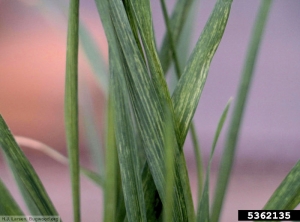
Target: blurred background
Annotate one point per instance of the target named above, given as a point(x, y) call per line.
point(32, 67)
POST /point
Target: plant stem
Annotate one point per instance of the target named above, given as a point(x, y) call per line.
point(71, 104)
point(195, 141)
point(238, 111)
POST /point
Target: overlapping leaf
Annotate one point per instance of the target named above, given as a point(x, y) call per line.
point(127, 152)
point(147, 107)
point(238, 111)
point(8, 205)
point(287, 195)
point(189, 88)
point(143, 18)
point(203, 204)
point(125, 141)
point(29, 183)
point(110, 190)
point(177, 21)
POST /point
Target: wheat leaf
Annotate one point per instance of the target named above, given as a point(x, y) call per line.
point(8, 205)
point(28, 181)
point(238, 110)
point(287, 195)
point(189, 88)
point(203, 204)
point(147, 107)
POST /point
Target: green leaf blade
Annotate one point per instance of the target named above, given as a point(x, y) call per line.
point(177, 21)
point(8, 205)
point(203, 203)
point(189, 88)
point(128, 153)
point(29, 183)
point(110, 194)
point(238, 110)
point(149, 112)
point(71, 104)
point(287, 195)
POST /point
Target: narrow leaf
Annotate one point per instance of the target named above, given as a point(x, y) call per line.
point(169, 169)
point(29, 183)
point(71, 104)
point(113, 210)
point(238, 111)
point(287, 195)
point(127, 152)
point(110, 194)
point(189, 88)
point(203, 204)
point(8, 205)
point(178, 74)
point(142, 12)
point(148, 109)
point(143, 18)
point(177, 21)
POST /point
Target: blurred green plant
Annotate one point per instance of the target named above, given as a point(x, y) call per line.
point(145, 176)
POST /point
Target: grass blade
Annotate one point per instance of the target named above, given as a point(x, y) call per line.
point(113, 210)
point(192, 127)
point(71, 104)
point(177, 21)
point(230, 145)
point(8, 205)
point(169, 169)
point(148, 109)
point(287, 195)
point(143, 17)
point(28, 181)
point(203, 203)
point(110, 200)
point(127, 152)
point(142, 12)
point(189, 88)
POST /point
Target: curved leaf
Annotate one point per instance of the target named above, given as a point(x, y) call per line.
point(29, 183)
point(189, 88)
point(177, 21)
point(148, 109)
point(203, 204)
point(287, 195)
point(233, 132)
point(8, 205)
